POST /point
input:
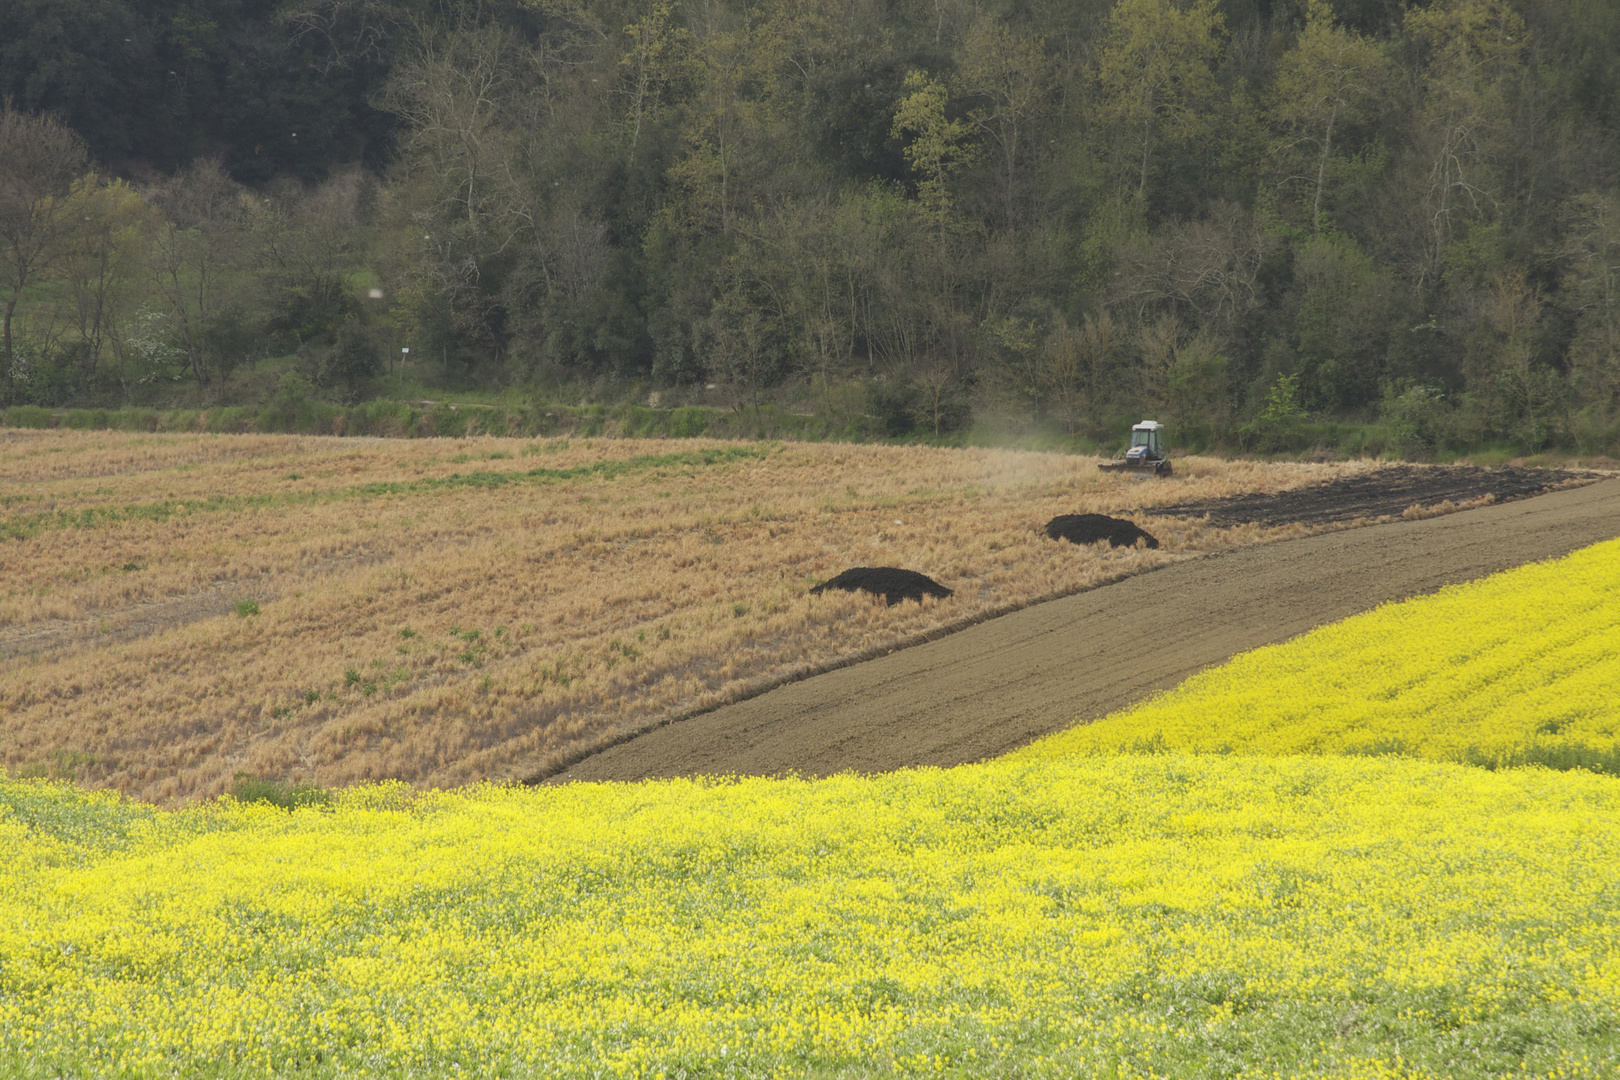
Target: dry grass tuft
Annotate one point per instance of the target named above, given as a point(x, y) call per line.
point(178, 609)
point(1416, 512)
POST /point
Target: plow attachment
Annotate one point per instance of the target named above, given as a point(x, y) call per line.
point(1144, 469)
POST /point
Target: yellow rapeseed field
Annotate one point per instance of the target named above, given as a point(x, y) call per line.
point(1520, 667)
point(178, 609)
point(1126, 916)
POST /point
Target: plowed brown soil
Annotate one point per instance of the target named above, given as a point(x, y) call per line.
point(1386, 492)
point(997, 685)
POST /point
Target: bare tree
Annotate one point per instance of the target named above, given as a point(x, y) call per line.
point(455, 91)
point(941, 390)
point(1207, 269)
point(451, 92)
point(1508, 376)
point(304, 248)
point(39, 160)
point(343, 32)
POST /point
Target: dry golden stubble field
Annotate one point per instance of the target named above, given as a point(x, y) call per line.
point(179, 609)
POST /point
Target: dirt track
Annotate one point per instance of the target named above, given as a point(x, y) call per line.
point(1000, 684)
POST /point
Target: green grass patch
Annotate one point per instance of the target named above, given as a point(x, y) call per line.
point(247, 788)
point(23, 526)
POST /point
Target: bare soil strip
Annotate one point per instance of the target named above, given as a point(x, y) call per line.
point(146, 618)
point(998, 685)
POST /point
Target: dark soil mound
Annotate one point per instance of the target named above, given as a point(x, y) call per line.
point(1090, 528)
point(1385, 492)
point(886, 581)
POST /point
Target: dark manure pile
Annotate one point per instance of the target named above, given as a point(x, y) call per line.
point(893, 584)
point(1090, 528)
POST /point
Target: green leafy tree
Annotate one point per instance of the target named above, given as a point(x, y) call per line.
point(1332, 77)
point(655, 60)
point(356, 359)
point(1474, 69)
point(723, 123)
point(742, 344)
point(1155, 76)
point(1006, 75)
point(1342, 326)
point(1189, 384)
point(304, 248)
point(103, 268)
point(1277, 425)
point(1592, 290)
point(936, 146)
point(1413, 415)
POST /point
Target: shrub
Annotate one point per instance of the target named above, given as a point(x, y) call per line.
point(1281, 419)
point(449, 421)
point(355, 361)
point(1412, 417)
point(688, 422)
point(30, 416)
point(85, 419)
point(893, 403)
point(248, 788)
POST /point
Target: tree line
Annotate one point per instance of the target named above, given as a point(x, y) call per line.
point(1231, 215)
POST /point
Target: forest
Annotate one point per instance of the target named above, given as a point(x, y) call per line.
point(1243, 217)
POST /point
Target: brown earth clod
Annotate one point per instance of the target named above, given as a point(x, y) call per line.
point(889, 582)
point(1092, 528)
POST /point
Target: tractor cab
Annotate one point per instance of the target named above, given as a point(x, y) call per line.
point(1146, 441)
point(1145, 456)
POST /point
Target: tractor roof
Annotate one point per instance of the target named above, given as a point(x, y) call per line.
point(1148, 425)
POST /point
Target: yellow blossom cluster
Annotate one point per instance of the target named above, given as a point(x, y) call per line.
point(1517, 668)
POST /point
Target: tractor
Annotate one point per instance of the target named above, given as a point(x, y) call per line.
point(1145, 456)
